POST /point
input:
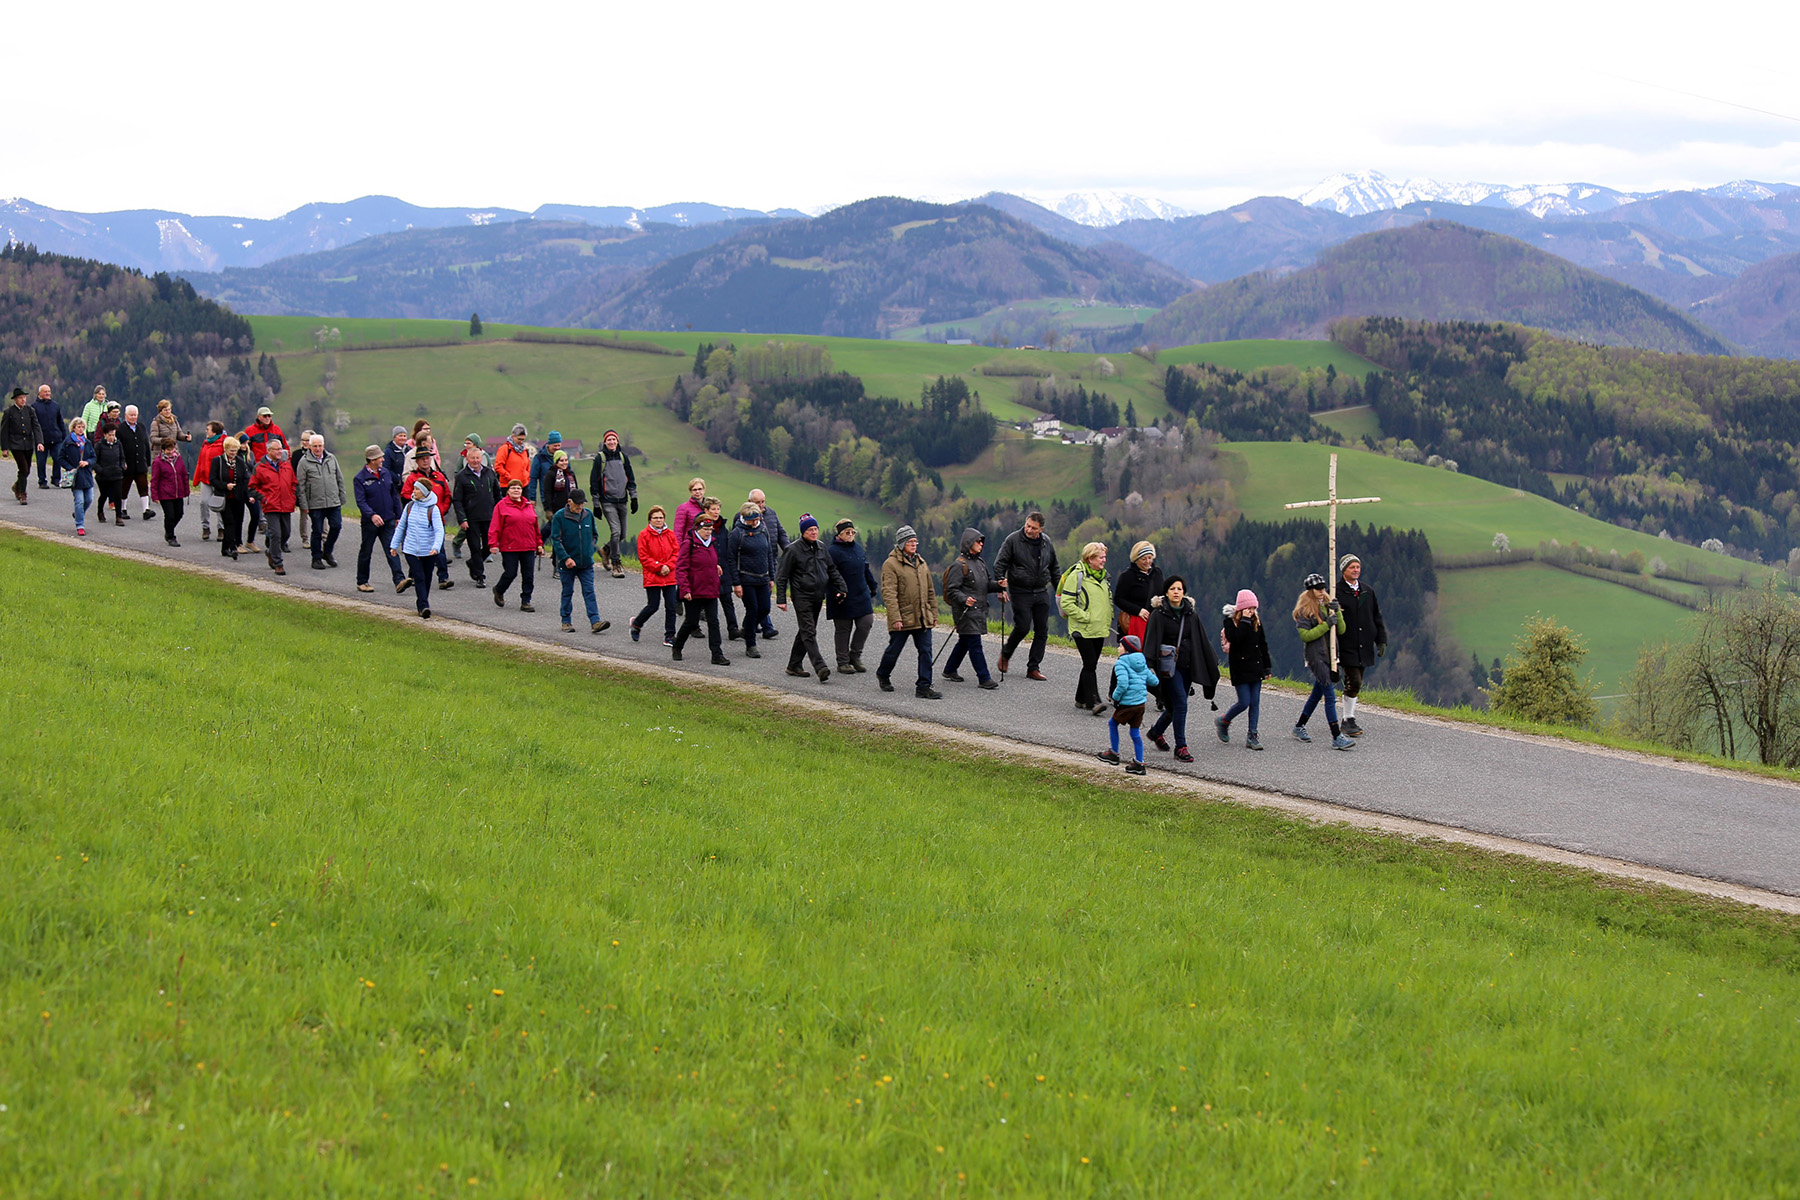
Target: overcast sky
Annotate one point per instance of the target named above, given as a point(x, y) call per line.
point(253, 110)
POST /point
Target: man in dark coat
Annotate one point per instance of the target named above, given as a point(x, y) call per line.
point(1365, 637)
point(1026, 567)
point(50, 424)
point(747, 558)
point(807, 570)
point(21, 437)
point(476, 493)
point(134, 435)
point(966, 589)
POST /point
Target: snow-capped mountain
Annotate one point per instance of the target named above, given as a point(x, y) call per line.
point(1098, 210)
point(1358, 192)
point(1748, 189)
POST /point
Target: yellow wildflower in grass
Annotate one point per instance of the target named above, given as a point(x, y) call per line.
point(499, 991)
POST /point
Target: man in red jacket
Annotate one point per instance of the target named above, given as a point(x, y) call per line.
point(425, 467)
point(273, 483)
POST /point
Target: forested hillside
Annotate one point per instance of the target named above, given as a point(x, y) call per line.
point(1760, 310)
point(75, 324)
point(879, 265)
point(1700, 446)
point(1432, 271)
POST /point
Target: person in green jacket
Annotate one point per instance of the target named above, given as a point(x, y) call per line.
point(572, 545)
point(1315, 615)
point(1085, 599)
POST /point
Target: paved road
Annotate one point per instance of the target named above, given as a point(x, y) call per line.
point(1711, 824)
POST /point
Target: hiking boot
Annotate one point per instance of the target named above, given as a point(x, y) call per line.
point(1224, 730)
point(886, 685)
point(752, 652)
point(824, 674)
point(402, 586)
point(675, 652)
point(1301, 734)
point(796, 672)
point(927, 694)
point(1108, 756)
point(363, 587)
point(1182, 755)
point(1352, 728)
point(1252, 743)
point(988, 685)
point(568, 628)
point(526, 607)
point(446, 584)
point(952, 676)
point(600, 627)
point(856, 666)
point(1340, 742)
point(500, 600)
point(1136, 768)
point(719, 660)
point(1160, 742)
point(206, 535)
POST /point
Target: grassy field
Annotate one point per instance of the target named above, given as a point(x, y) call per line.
point(1019, 467)
point(1252, 354)
point(1066, 314)
point(433, 929)
point(1485, 609)
point(1353, 423)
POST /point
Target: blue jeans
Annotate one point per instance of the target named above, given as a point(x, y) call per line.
point(1177, 697)
point(896, 642)
point(757, 603)
point(1249, 699)
point(586, 575)
point(327, 523)
point(83, 497)
point(1312, 702)
point(968, 646)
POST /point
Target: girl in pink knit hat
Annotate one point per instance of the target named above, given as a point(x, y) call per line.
point(1247, 654)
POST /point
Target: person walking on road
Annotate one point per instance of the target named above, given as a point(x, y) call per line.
point(21, 437)
point(1138, 590)
point(513, 531)
point(419, 534)
point(747, 557)
point(513, 459)
point(1365, 635)
point(852, 615)
point(426, 468)
point(554, 487)
point(201, 482)
point(542, 464)
point(276, 490)
point(476, 494)
point(910, 599)
point(319, 490)
point(967, 586)
point(1085, 601)
point(377, 493)
point(50, 425)
point(164, 426)
point(134, 435)
point(572, 546)
point(772, 525)
point(1132, 681)
point(1180, 651)
point(1247, 658)
point(1026, 565)
point(613, 485)
point(230, 482)
point(698, 575)
point(657, 548)
point(1315, 615)
point(92, 412)
point(77, 458)
point(110, 469)
point(256, 435)
point(808, 572)
point(394, 454)
point(169, 486)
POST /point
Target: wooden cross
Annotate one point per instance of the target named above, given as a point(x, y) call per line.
point(1331, 501)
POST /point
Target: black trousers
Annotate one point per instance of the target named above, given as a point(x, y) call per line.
point(1087, 687)
point(517, 564)
point(477, 542)
point(171, 516)
point(699, 607)
point(1031, 614)
point(231, 524)
point(327, 523)
point(806, 640)
point(23, 458)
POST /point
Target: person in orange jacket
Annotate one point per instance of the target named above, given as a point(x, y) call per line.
point(513, 459)
point(657, 547)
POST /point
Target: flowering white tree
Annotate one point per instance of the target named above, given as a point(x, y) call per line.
point(1502, 542)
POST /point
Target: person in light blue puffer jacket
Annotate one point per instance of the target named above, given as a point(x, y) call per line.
point(1132, 681)
point(419, 534)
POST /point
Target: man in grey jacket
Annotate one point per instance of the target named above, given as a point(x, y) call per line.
point(319, 490)
point(1026, 566)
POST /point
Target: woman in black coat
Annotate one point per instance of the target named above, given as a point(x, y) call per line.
point(1138, 591)
point(1179, 650)
point(230, 482)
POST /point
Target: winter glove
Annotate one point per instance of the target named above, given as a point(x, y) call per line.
point(634, 506)
point(1380, 649)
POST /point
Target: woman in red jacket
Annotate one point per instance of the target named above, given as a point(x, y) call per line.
point(513, 531)
point(657, 547)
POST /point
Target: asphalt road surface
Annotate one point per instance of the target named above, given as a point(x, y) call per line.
point(1694, 821)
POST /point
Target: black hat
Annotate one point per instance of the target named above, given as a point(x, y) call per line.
point(577, 496)
point(16, 393)
point(1314, 582)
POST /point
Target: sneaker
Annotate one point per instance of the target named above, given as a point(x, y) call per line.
point(1352, 728)
point(988, 685)
point(458, 551)
point(568, 628)
point(600, 627)
point(1182, 755)
point(770, 634)
point(719, 660)
point(425, 613)
point(1136, 768)
point(171, 541)
point(1161, 743)
point(952, 676)
point(927, 694)
point(80, 532)
point(1301, 734)
point(1108, 756)
point(1340, 742)
point(446, 584)
point(670, 642)
point(403, 585)
point(364, 587)
point(1252, 743)
point(318, 564)
point(824, 674)
point(206, 535)
point(634, 628)
point(752, 652)
point(481, 583)
point(886, 685)
point(525, 606)
point(1224, 730)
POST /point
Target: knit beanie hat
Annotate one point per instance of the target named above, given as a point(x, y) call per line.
point(905, 534)
point(1344, 562)
point(553, 436)
point(611, 433)
point(808, 521)
point(421, 490)
point(1132, 643)
point(561, 456)
point(1142, 548)
point(1246, 599)
point(398, 430)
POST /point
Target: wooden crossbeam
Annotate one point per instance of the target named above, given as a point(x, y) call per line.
point(1331, 501)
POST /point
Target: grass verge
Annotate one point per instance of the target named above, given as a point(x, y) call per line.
point(305, 901)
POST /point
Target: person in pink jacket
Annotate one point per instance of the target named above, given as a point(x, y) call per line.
point(657, 547)
point(169, 486)
point(513, 531)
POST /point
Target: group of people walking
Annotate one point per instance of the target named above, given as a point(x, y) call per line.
point(698, 569)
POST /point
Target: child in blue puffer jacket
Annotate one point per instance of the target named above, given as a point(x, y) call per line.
point(1132, 681)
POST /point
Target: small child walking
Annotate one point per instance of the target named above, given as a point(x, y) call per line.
point(1314, 616)
point(1247, 651)
point(1132, 681)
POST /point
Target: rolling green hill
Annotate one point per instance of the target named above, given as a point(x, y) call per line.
point(1434, 270)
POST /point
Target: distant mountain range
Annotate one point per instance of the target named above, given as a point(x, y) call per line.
point(1359, 193)
point(1435, 270)
point(155, 240)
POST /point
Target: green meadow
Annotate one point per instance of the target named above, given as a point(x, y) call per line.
point(369, 910)
point(1354, 423)
point(1251, 354)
